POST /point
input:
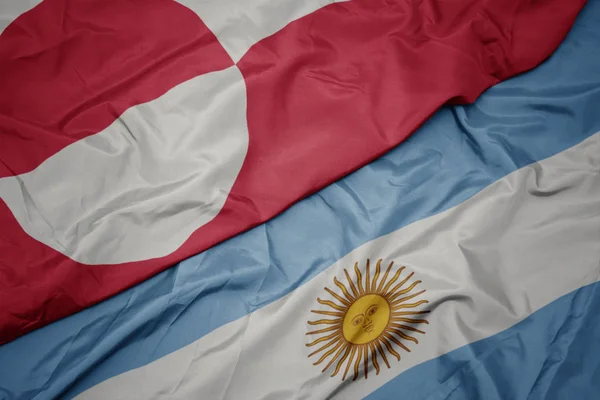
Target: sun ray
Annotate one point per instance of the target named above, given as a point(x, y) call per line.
point(374, 358)
point(352, 353)
point(368, 277)
point(394, 278)
point(377, 271)
point(324, 330)
point(366, 316)
point(392, 292)
point(338, 297)
point(399, 314)
point(352, 287)
point(330, 313)
point(409, 320)
point(361, 291)
point(328, 353)
point(344, 290)
point(366, 360)
point(404, 336)
point(389, 268)
point(326, 345)
point(405, 298)
point(326, 321)
point(404, 291)
point(396, 341)
point(359, 353)
point(409, 305)
point(323, 339)
point(331, 304)
point(390, 348)
point(339, 364)
point(380, 348)
point(406, 327)
point(334, 358)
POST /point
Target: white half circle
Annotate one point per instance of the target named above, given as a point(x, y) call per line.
point(12, 9)
point(239, 24)
point(139, 189)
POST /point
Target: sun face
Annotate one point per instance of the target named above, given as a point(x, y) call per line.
point(367, 320)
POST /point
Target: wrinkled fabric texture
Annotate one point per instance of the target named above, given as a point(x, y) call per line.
point(550, 355)
point(462, 275)
point(460, 151)
point(117, 214)
point(329, 92)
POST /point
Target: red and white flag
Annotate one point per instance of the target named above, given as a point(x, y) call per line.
point(136, 133)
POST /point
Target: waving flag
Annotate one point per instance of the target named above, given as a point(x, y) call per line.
point(136, 133)
point(480, 234)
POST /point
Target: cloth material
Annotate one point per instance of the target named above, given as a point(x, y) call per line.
point(115, 167)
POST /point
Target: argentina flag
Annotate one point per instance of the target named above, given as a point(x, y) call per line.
point(463, 263)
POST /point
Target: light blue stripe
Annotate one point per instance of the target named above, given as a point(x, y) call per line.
point(456, 154)
point(553, 354)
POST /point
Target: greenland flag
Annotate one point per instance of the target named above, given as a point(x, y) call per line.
point(134, 134)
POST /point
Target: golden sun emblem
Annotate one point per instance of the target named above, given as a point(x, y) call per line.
point(366, 319)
